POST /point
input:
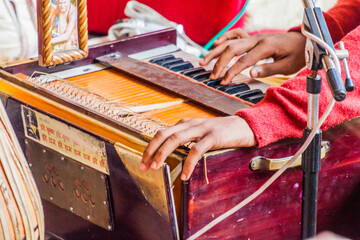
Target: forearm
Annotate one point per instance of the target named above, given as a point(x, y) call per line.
point(283, 112)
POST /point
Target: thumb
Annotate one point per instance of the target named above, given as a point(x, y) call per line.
point(268, 69)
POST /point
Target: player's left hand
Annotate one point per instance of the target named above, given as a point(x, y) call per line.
point(208, 134)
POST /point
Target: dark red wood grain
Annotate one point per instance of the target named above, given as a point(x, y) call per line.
point(276, 214)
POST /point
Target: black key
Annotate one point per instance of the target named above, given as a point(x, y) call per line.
point(193, 71)
point(220, 87)
point(181, 66)
point(158, 60)
point(232, 89)
point(206, 81)
point(212, 83)
point(201, 76)
point(245, 95)
point(255, 99)
point(168, 63)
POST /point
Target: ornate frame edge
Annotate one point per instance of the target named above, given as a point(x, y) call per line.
point(46, 55)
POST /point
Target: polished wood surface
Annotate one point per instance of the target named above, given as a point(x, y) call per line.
point(276, 213)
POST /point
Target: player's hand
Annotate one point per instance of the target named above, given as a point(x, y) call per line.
point(287, 50)
point(236, 33)
point(207, 133)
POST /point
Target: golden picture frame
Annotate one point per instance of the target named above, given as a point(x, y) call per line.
point(63, 31)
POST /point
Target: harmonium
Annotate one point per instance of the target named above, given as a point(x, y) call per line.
point(83, 127)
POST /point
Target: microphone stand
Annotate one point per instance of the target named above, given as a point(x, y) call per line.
point(317, 59)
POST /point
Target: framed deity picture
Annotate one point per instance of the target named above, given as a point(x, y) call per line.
point(63, 33)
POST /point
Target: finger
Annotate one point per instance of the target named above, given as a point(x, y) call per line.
point(174, 141)
point(219, 50)
point(264, 70)
point(195, 155)
point(213, 54)
point(259, 52)
point(234, 49)
point(161, 136)
point(157, 141)
point(232, 34)
point(183, 120)
point(222, 44)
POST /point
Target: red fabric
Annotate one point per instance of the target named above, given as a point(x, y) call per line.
point(283, 112)
point(201, 20)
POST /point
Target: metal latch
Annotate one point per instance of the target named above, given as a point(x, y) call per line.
point(264, 163)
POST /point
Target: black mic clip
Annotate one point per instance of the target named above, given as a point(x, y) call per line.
point(319, 57)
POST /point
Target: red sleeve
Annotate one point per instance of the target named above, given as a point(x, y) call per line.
point(341, 19)
point(283, 112)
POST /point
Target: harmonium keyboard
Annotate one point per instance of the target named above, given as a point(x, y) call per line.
point(83, 127)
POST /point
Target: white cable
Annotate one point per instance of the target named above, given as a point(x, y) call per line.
point(323, 44)
point(286, 166)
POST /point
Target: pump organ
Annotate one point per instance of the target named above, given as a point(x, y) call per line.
point(84, 125)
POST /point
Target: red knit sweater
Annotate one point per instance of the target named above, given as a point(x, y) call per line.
point(283, 112)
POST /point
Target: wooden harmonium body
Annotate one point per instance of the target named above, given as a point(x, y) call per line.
point(84, 126)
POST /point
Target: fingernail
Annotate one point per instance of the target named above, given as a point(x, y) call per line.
point(212, 76)
point(223, 82)
point(153, 165)
point(255, 72)
point(183, 177)
point(142, 167)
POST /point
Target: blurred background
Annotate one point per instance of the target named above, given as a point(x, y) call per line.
point(201, 20)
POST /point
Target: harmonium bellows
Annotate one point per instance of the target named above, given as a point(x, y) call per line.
point(84, 126)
